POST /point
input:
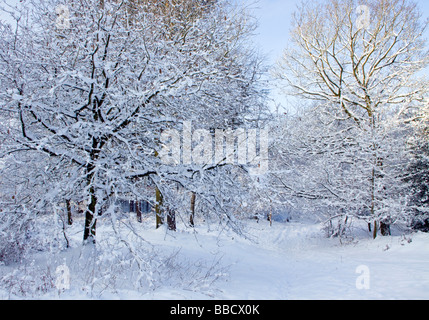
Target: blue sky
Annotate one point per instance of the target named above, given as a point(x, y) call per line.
point(274, 19)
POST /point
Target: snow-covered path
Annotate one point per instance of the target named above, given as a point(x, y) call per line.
point(285, 261)
point(295, 261)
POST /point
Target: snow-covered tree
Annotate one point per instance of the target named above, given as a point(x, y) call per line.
point(360, 65)
point(324, 162)
point(92, 85)
point(418, 170)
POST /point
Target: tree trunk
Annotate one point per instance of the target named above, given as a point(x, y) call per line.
point(171, 220)
point(69, 213)
point(139, 211)
point(191, 217)
point(90, 213)
point(90, 219)
point(158, 208)
point(374, 235)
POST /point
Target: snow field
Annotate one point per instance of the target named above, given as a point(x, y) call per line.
point(285, 261)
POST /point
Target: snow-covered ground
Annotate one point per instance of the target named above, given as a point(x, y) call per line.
point(295, 261)
point(285, 261)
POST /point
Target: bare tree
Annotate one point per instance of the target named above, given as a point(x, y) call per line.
point(363, 63)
